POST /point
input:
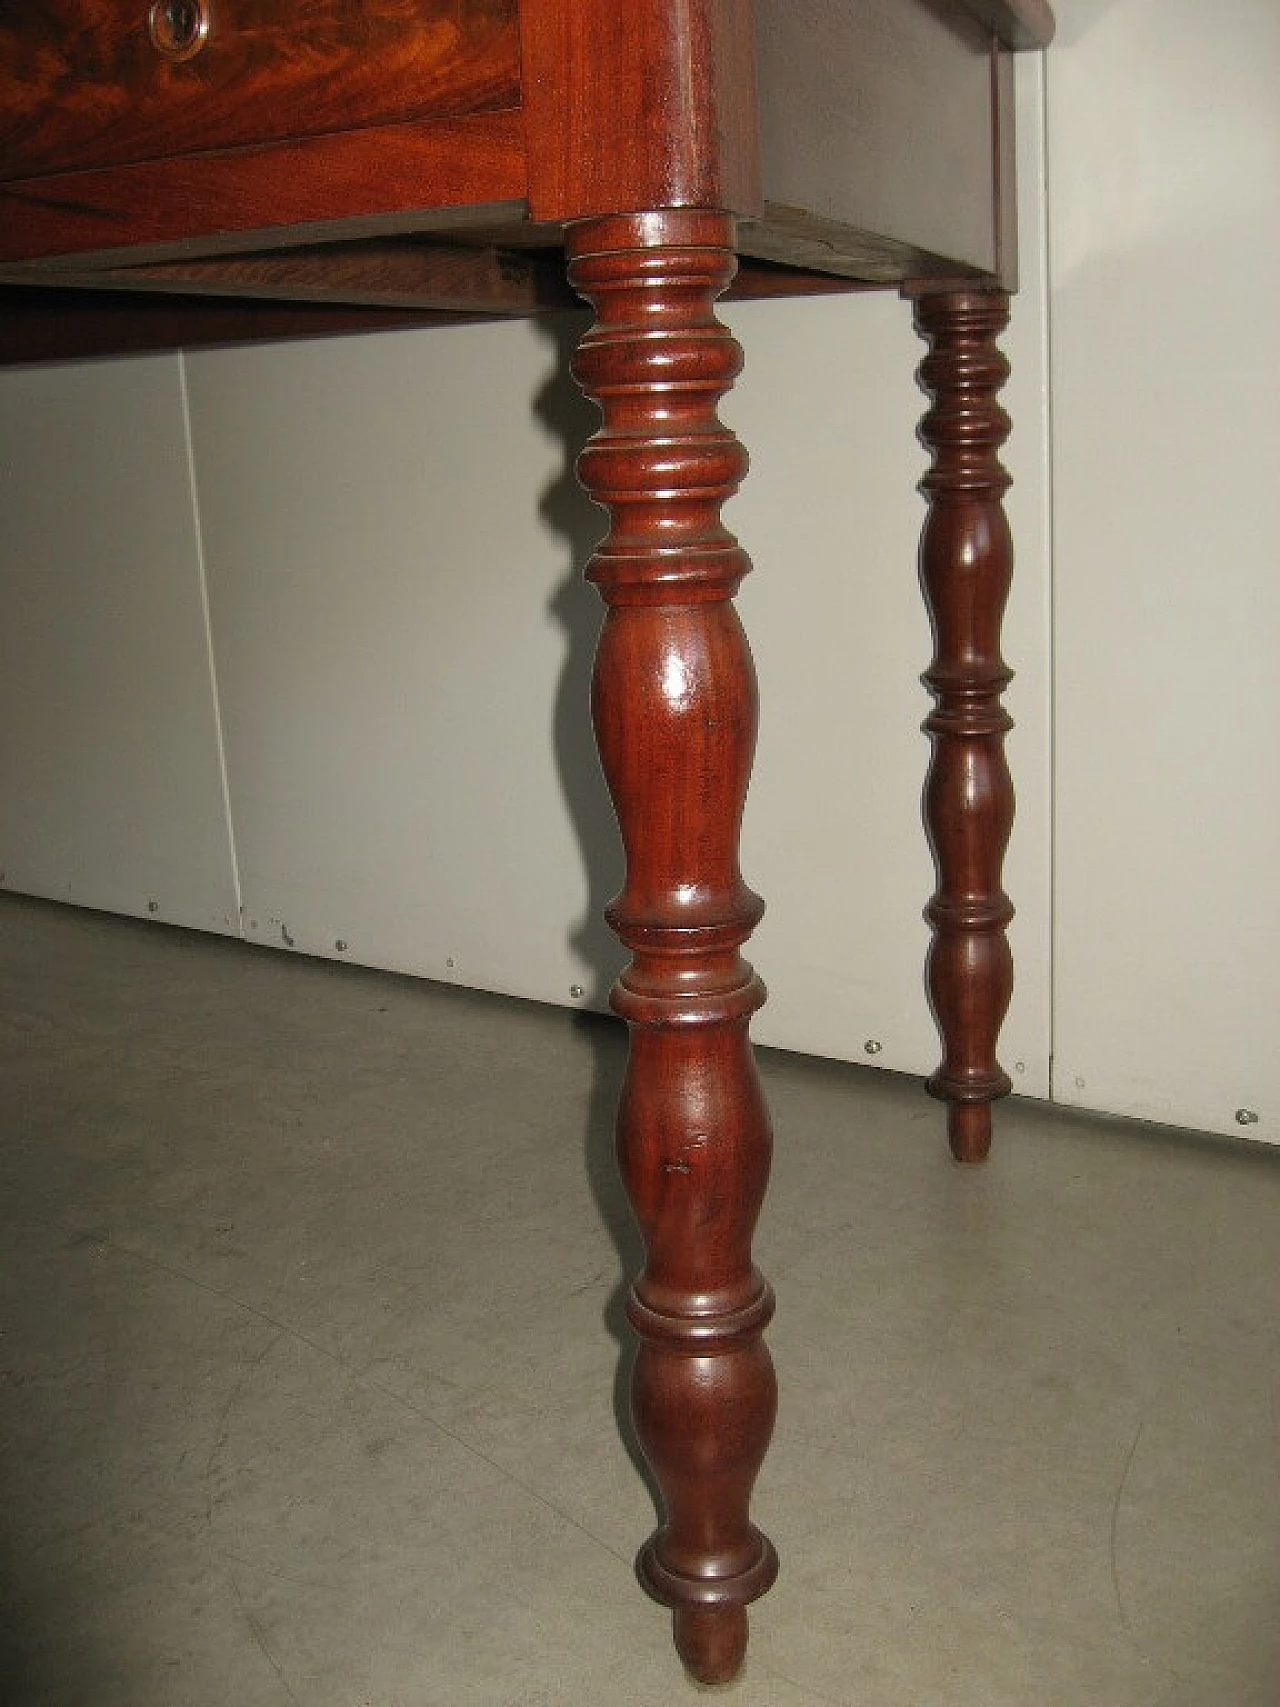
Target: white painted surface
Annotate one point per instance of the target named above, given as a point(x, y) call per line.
point(109, 766)
point(1165, 240)
point(404, 648)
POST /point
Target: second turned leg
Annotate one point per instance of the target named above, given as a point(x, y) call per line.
point(675, 709)
point(966, 561)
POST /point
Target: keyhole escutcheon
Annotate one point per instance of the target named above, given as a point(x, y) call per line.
point(178, 28)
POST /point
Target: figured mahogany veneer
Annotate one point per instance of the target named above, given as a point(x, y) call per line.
point(82, 84)
point(367, 162)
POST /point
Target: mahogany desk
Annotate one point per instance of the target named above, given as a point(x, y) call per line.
point(403, 159)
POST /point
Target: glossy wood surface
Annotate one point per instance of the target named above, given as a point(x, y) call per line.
point(675, 715)
point(966, 565)
point(83, 85)
point(375, 182)
point(639, 106)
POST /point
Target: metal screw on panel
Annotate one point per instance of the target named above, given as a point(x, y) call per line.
point(873, 1046)
point(340, 946)
point(1246, 1117)
point(450, 961)
point(153, 906)
point(576, 991)
point(1019, 1066)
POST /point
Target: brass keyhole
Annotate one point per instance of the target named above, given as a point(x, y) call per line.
point(179, 28)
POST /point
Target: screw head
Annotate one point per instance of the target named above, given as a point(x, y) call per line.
point(341, 946)
point(873, 1046)
point(1246, 1117)
point(576, 991)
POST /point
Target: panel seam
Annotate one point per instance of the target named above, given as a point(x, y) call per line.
point(1050, 553)
point(211, 660)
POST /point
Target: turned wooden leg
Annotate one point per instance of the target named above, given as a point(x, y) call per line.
point(675, 714)
point(966, 560)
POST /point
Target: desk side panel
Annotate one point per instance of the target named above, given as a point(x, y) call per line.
point(878, 116)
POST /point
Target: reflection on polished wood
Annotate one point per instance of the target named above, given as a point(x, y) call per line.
point(675, 716)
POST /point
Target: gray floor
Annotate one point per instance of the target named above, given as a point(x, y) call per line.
point(311, 1350)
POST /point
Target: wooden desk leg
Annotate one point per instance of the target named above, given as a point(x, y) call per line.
point(966, 560)
point(675, 713)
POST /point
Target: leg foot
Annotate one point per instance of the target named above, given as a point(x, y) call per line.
point(969, 1130)
point(712, 1642)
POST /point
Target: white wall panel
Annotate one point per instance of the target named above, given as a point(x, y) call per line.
point(404, 647)
point(110, 772)
point(1164, 170)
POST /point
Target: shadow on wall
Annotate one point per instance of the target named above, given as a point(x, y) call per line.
point(568, 417)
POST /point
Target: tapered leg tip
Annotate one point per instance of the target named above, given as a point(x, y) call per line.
point(712, 1642)
point(969, 1130)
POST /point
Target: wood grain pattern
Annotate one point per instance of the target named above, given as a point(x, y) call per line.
point(107, 311)
point(643, 105)
point(81, 84)
point(410, 177)
point(966, 564)
point(675, 715)
point(405, 273)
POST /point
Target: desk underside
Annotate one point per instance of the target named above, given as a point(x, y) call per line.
point(859, 143)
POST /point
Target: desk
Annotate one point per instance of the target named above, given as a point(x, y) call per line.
point(363, 158)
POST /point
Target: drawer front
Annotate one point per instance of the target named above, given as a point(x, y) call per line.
point(87, 83)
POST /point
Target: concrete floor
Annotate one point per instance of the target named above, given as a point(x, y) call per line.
point(310, 1358)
